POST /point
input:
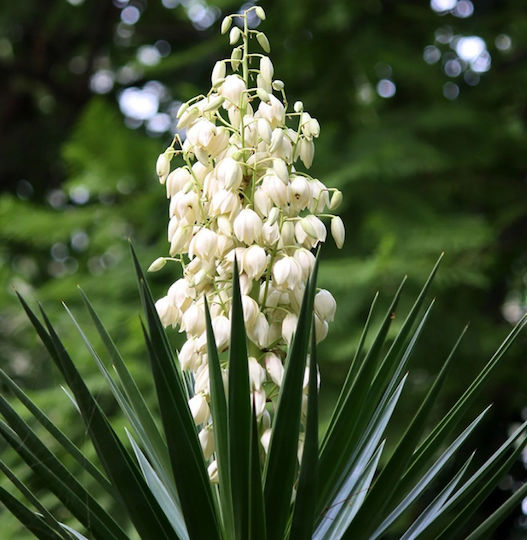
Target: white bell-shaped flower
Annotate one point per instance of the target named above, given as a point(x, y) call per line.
point(248, 226)
point(199, 408)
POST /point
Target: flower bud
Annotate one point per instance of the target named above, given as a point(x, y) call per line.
point(336, 199)
point(218, 72)
point(234, 35)
point(325, 305)
point(182, 109)
point(259, 10)
point(263, 41)
point(226, 24)
point(256, 374)
point(206, 439)
point(199, 408)
point(266, 68)
point(236, 56)
point(274, 368)
point(163, 167)
point(298, 106)
point(307, 152)
point(157, 264)
point(337, 231)
point(278, 85)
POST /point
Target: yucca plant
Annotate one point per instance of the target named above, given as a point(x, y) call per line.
point(235, 452)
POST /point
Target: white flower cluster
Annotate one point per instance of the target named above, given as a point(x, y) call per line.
point(239, 194)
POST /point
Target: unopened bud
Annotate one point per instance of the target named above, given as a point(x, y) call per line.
point(236, 57)
point(182, 109)
point(226, 24)
point(336, 199)
point(263, 41)
point(260, 12)
point(298, 106)
point(337, 231)
point(234, 35)
point(157, 264)
point(278, 85)
point(218, 72)
point(163, 167)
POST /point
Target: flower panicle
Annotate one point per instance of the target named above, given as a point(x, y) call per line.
point(242, 190)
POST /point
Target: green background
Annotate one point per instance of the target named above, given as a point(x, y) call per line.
point(437, 166)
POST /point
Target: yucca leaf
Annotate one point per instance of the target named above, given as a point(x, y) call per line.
point(281, 463)
point(130, 414)
point(339, 437)
point(456, 524)
point(188, 465)
point(386, 484)
point(354, 367)
point(425, 480)
point(124, 475)
point(157, 332)
point(456, 412)
point(472, 485)
point(62, 484)
point(360, 458)
point(58, 435)
point(257, 528)
point(303, 520)
point(488, 526)
point(364, 395)
point(239, 413)
point(60, 480)
point(353, 503)
point(430, 513)
point(28, 494)
point(29, 519)
point(220, 427)
point(149, 434)
point(169, 505)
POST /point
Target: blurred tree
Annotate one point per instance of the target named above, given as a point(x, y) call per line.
point(422, 108)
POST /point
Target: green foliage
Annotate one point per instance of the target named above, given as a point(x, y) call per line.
point(338, 491)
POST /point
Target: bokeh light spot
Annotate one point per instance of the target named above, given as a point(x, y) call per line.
point(386, 88)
